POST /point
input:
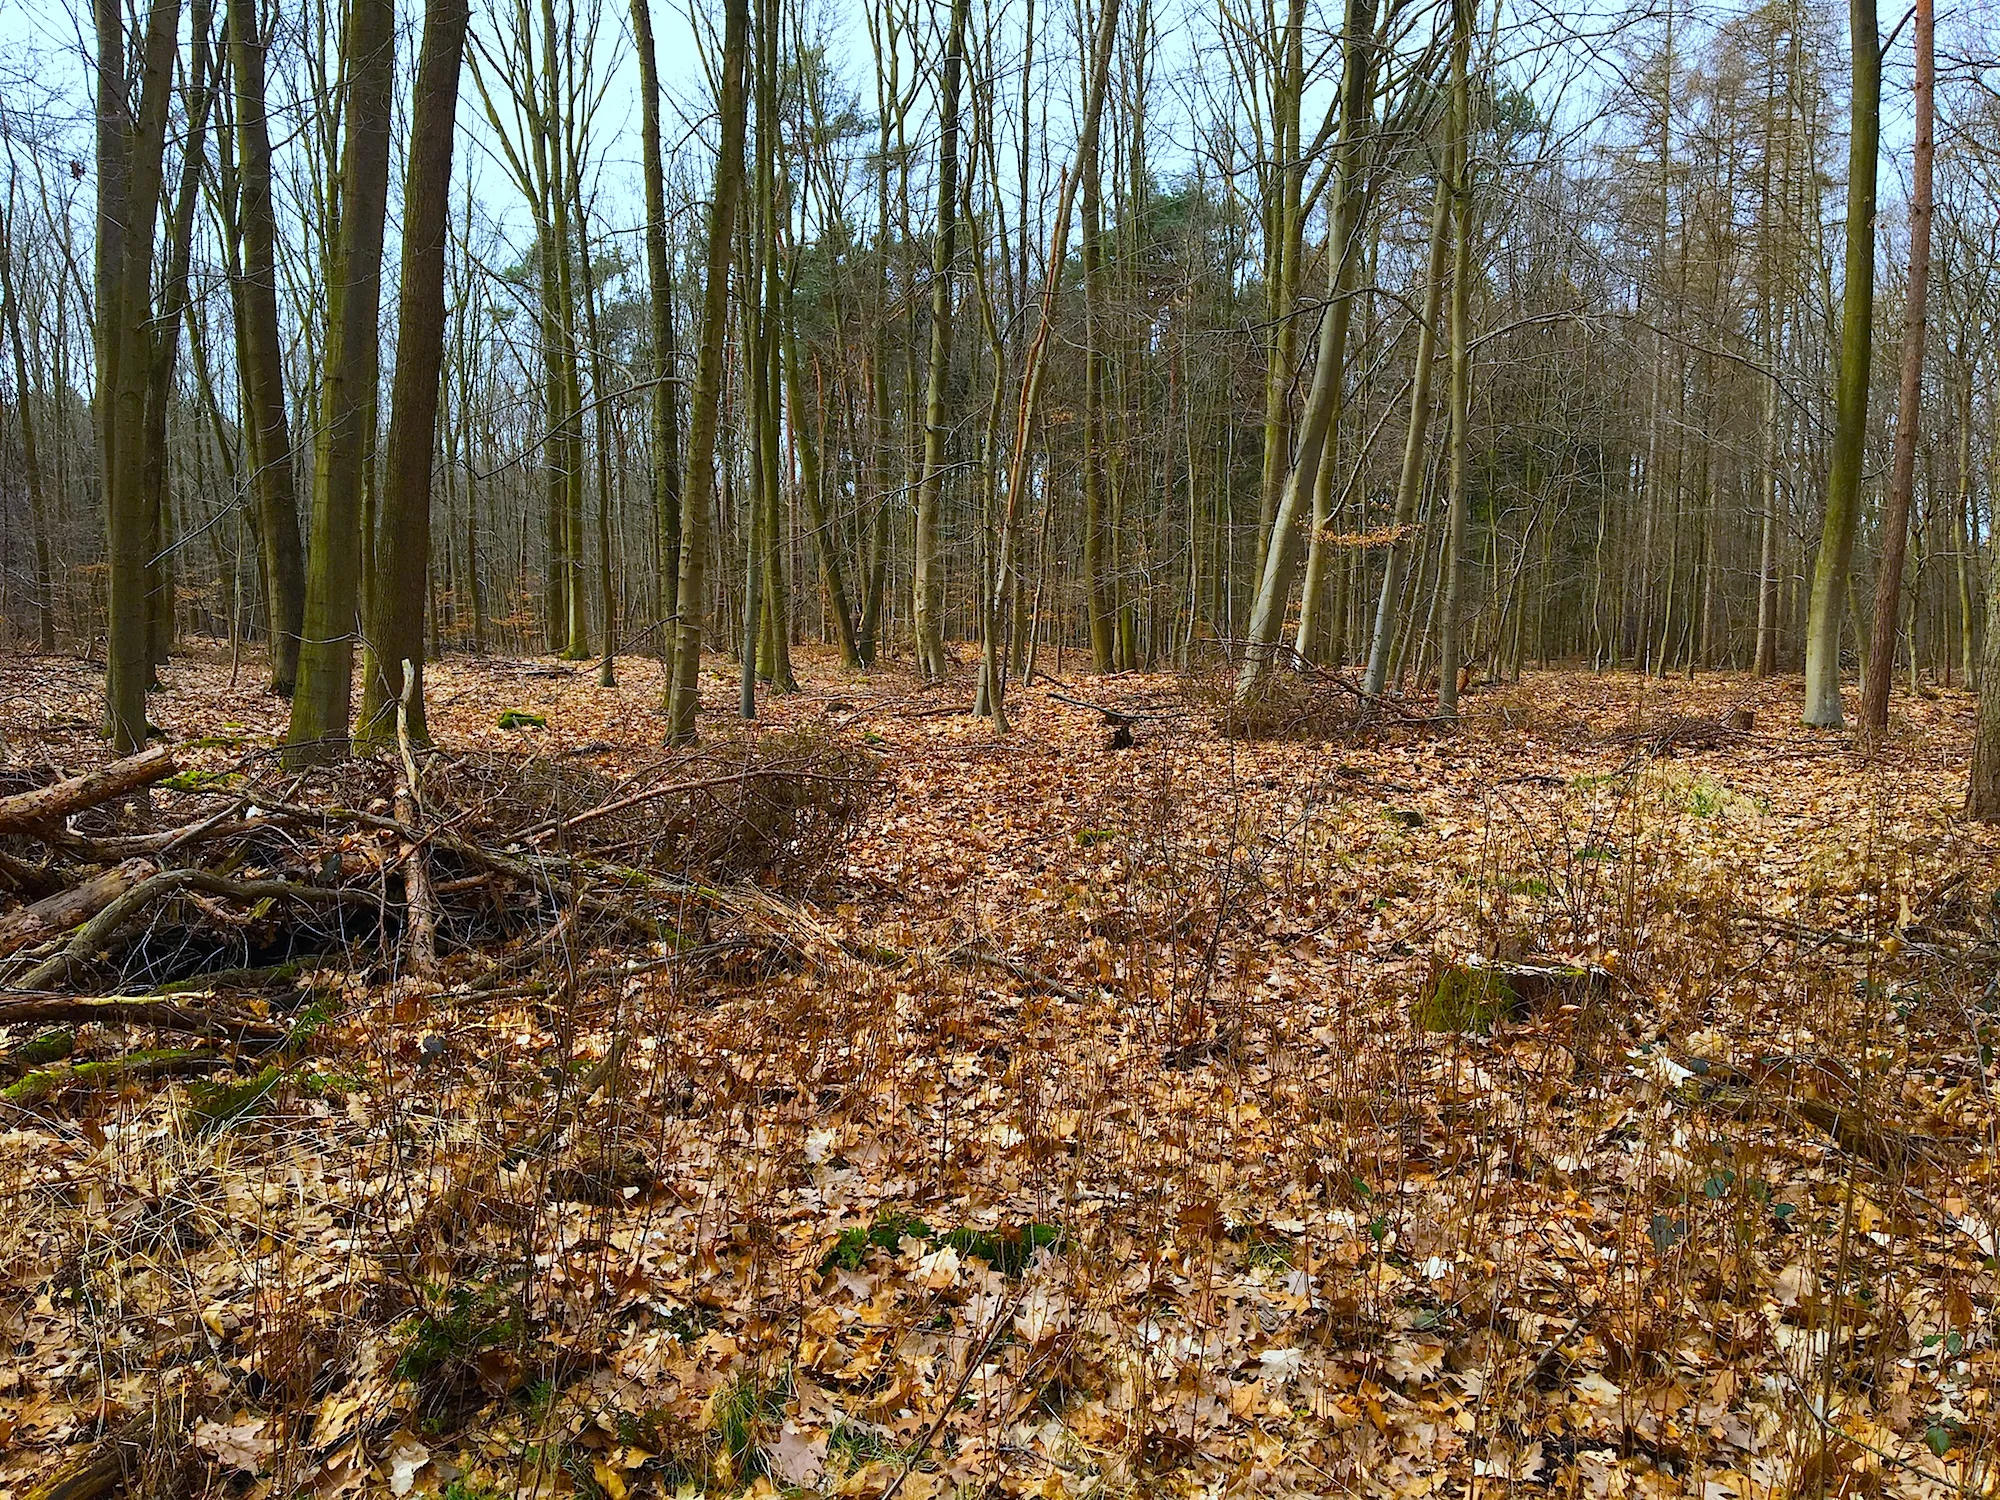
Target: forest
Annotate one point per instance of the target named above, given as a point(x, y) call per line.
point(921, 750)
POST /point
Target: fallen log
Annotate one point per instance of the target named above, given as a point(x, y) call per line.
point(37, 1052)
point(91, 938)
point(176, 1063)
point(65, 909)
point(33, 812)
point(116, 1463)
point(131, 1010)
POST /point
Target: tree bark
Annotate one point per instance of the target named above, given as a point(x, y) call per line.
point(928, 585)
point(1909, 402)
point(665, 403)
point(1833, 567)
point(1410, 479)
point(403, 553)
point(1451, 609)
point(131, 154)
point(266, 431)
point(37, 811)
point(323, 703)
point(31, 457)
point(1281, 554)
point(699, 497)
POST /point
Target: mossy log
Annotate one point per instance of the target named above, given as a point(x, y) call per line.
point(65, 909)
point(37, 1052)
point(171, 1063)
point(133, 1010)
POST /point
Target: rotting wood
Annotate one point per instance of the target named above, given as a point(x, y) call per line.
point(36, 811)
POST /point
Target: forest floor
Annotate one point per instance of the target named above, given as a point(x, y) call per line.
point(1101, 1124)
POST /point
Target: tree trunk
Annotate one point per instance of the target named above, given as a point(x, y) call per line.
point(1410, 480)
point(31, 460)
point(1450, 621)
point(665, 404)
point(130, 169)
point(1831, 569)
point(266, 432)
point(1909, 404)
point(396, 623)
point(1281, 553)
point(927, 589)
point(324, 700)
point(699, 497)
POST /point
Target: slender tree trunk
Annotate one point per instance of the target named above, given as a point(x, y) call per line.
point(130, 170)
point(323, 702)
point(165, 335)
point(698, 500)
point(1909, 403)
point(1027, 410)
point(1832, 569)
point(1410, 479)
point(396, 622)
point(927, 591)
point(267, 433)
point(1451, 610)
point(665, 404)
point(1281, 554)
point(31, 457)
point(826, 541)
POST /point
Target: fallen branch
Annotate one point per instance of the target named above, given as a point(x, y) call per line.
point(65, 909)
point(91, 938)
point(112, 1464)
point(34, 812)
point(38, 1086)
point(130, 1010)
point(421, 939)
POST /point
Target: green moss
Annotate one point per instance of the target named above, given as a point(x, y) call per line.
point(1009, 1249)
point(520, 718)
point(467, 1320)
point(39, 1052)
point(850, 1251)
point(161, 1063)
point(1465, 997)
point(216, 1106)
point(1477, 996)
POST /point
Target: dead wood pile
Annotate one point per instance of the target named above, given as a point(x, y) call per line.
point(197, 903)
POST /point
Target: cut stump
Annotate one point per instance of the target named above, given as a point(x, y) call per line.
point(1477, 993)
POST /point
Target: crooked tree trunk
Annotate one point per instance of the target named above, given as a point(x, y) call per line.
point(1410, 480)
point(1832, 568)
point(1281, 553)
point(396, 623)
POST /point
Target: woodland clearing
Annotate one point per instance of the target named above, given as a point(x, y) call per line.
point(1059, 1119)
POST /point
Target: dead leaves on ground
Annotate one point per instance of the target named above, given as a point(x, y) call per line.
point(1165, 1196)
